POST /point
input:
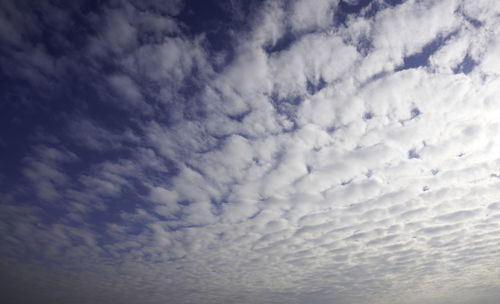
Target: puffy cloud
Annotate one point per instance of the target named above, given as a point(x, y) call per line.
point(315, 164)
point(307, 16)
point(126, 88)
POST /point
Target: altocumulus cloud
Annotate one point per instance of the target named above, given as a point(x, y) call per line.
point(250, 151)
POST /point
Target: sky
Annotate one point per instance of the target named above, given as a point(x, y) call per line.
point(250, 151)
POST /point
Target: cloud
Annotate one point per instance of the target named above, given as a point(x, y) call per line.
point(90, 135)
point(320, 160)
point(43, 170)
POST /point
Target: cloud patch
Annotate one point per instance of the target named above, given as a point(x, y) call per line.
point(340, 151)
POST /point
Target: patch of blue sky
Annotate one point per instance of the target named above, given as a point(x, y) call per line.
point(421, 59)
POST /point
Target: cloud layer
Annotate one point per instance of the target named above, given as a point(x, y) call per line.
point(263, 152)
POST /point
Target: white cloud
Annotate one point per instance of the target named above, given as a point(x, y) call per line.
point(126, 89)
point(93, 136)
point(377, 185)
point(307, 16)
point(167, 199)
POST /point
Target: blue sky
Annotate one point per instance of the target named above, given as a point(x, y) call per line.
point(250, 151)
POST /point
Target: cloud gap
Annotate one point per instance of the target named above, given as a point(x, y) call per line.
point(283, 43)
point(240, 117)
point(288, 108)
point(415, 112)
point(466, 66)
point(316, 86)
point(353, 6)
point(421, 59)
point(413, 154)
